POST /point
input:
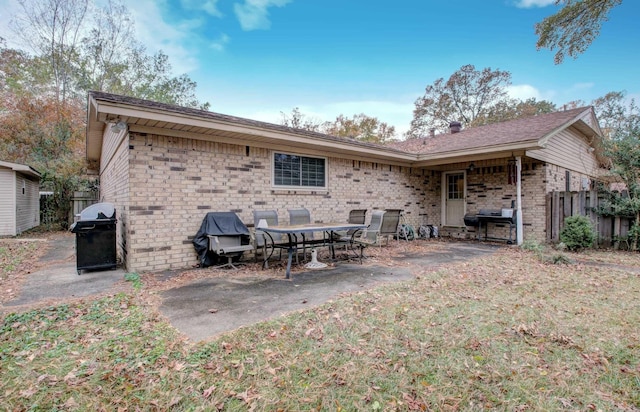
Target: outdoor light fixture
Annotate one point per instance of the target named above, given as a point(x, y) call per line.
point(119, 126)
point(471, 167)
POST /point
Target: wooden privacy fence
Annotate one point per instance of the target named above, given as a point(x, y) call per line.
point(79, 201)
point(561, 205)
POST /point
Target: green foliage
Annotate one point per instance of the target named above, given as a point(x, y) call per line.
point(532, 246)
point(574, 27)
point(559, 259)
point(577, 233)
point(135, 280)
point(624, 151)
point(634, 235)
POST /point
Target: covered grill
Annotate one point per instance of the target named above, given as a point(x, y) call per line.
point(505, 216)
point(96, 237)
point(227, 229)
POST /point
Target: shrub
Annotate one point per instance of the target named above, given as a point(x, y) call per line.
point(558, 259)
point(577, 233)
point(533, 246)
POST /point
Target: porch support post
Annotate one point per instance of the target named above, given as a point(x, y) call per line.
point(519, 234)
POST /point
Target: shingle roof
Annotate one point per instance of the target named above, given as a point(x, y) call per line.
point(204, 114)
point(482, 139)
point(20, 168)
point(509, 132)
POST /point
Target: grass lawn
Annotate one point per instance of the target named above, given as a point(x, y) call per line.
point(505, 332)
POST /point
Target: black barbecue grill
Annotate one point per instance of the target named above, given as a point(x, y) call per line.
point(96, 237)
point(499, 217)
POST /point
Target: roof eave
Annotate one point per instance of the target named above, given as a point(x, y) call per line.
point(576, 119)
point(101, 112)
point(95, 132)
point(477, 153)
point(24, 169)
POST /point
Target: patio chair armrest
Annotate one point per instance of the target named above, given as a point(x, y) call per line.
point(366, 237)
point(233, 249)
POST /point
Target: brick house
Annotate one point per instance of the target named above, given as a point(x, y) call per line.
point(165, 167)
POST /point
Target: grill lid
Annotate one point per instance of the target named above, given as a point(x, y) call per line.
point(98, 211)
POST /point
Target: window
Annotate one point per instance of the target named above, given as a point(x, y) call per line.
point(455, 183)
point(298, 171)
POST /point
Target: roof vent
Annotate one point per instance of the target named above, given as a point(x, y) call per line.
point(455, 127)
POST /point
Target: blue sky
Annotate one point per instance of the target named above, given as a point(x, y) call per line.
point(258, 58)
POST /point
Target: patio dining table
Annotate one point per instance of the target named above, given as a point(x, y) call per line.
point(294, 232)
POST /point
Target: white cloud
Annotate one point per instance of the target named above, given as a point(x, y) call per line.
point(571, 92)
point(254, 14)
point(523, 92)
point(208, 6)
point(582, 86)
point(220, 43)
point(527, 4)
point(156, 34)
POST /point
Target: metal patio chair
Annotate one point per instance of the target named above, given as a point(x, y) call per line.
point(371, 235)
point(260, 243)
point(391, 223)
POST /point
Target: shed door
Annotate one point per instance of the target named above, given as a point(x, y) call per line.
point(454, 207)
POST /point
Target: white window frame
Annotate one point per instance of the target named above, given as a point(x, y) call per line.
point(289, 187)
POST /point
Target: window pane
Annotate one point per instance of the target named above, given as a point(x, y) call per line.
point(455, 187)
point(286, 170)
point(312, 172)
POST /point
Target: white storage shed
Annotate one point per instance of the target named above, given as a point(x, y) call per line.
point(19, 198)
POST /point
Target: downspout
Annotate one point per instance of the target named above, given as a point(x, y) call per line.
point(519, 234)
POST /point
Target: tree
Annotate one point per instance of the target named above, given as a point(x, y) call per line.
point(574, 27)
point(615, 111)
point(298, 120)
point(106, 48)
point(101, 55)
point(513, 109)
point(42, 95)
point(112, 60)
point(49, 136)
point(360, 127)
point(20, 73)
point(624, 151)
point(52, 28)
point(465, 96)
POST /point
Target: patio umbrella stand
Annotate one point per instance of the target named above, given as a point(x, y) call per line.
point(314, 264)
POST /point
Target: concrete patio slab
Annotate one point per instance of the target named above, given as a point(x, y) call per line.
point(208, 307)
